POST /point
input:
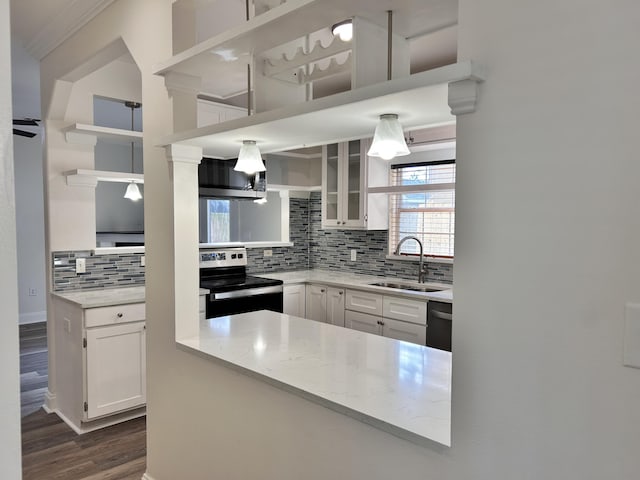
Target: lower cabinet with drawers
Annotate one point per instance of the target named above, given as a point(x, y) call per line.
point(99, 363)
point(389, 316)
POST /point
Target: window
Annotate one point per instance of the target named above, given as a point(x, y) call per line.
point(218, 221)
point(426, 212)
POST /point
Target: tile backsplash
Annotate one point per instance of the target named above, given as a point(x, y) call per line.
point(312, 247)
point(331, 249)
point(102, 271)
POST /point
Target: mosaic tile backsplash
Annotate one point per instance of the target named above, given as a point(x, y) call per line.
point(312, 247)
point(102, 271)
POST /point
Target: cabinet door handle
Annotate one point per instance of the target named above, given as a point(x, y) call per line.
point(119, 315)
point(340, 292)
point(322, 290)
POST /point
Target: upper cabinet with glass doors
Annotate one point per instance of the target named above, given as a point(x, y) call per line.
point(346, 174)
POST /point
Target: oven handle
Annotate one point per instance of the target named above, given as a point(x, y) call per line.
point(247, 292)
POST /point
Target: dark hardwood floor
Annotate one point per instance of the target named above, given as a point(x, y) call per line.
point(50, 449)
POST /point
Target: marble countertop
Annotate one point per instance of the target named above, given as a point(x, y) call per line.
point(106, 296)
point(361, 282)
point(399, 387)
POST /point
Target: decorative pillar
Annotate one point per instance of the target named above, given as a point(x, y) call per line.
point(183, 163)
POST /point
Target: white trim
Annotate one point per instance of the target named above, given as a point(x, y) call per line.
point(32, 317)
point(297, 188)
point(102, 422)
point(117, 250)
point(426, 258)
point(246, 245)
point(77, 131)
point(146, 476)
point(50, 402)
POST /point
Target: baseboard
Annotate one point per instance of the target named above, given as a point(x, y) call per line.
point(146, 476)
point(50, 402)
point(33, 317)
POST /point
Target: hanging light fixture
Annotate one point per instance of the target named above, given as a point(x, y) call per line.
point(249, 159)
point(344, 30)
point(133, 192)
point(260, 201)
point(388, 139)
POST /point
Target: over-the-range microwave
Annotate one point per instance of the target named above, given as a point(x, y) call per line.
point(218, 179)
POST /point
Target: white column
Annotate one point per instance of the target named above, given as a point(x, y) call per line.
point(183, 163)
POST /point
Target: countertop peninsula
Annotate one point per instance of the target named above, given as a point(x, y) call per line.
point(399, 387)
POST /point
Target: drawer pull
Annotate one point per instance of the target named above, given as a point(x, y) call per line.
point(119, 314)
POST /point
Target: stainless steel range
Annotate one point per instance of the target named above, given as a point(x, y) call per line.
point(231, 290)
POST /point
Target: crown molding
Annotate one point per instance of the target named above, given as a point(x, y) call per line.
point(67, 22)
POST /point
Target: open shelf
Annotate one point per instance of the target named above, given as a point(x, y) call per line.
point(420, 100)
point(115, 135)
point(82, 177)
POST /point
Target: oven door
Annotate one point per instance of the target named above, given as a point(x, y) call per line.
point(244, 300)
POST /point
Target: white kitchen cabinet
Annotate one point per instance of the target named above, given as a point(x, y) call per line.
point(115, 368)
point(294, 300)
point(325, 304)
point(210, 113)
point(335, 306)
point(364, 322)
point(365, 302)
point(387, 315)
point(99, 363)
point(409, 332)
point(316, 302)
point(346, 174)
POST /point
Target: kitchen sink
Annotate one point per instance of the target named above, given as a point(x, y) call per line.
point(401, 286)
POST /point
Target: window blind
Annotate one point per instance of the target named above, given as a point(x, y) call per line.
point(427, 215)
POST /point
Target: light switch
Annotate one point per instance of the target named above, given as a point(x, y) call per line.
point(354, 254)
point(631, 357)
point(142, 262)
point(81, 265)
point(268, 253)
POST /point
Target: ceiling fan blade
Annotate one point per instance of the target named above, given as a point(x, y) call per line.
point(24, 133)
point(27, 122)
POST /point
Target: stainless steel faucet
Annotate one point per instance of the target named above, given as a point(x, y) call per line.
point(421, 270)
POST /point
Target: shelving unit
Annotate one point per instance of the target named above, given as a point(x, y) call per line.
point(115, 135)
point(82, 177)
point(420, 100)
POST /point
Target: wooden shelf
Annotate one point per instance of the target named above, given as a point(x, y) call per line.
point(420, 100)
point(90, 178)
point(115, 135)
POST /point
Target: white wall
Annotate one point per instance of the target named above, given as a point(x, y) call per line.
point(10, 453)
point(547, 242)
point(25, 84)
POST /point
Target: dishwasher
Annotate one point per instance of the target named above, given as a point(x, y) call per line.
point(439, 320)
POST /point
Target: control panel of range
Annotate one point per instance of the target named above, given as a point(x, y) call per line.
point(223, 257)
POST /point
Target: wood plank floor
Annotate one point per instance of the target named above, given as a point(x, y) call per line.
point(50, 449)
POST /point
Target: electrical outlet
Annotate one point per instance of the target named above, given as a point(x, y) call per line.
point(81, 265)
point(32, 292)
point(142, 261)
point(354, 254)
point(268, 253)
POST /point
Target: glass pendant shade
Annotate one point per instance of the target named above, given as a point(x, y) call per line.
point(249, 159)
point(260, 201)
point(388, 140)
point(344, 30)
point(133, 192)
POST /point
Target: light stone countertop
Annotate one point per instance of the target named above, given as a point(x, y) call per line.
point(361, 282)
point(107, 296)
point(399, 387)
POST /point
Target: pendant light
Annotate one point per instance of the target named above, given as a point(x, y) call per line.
point(133, 192)
point(249, 159)
point(388, 139)
point(344, 30)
